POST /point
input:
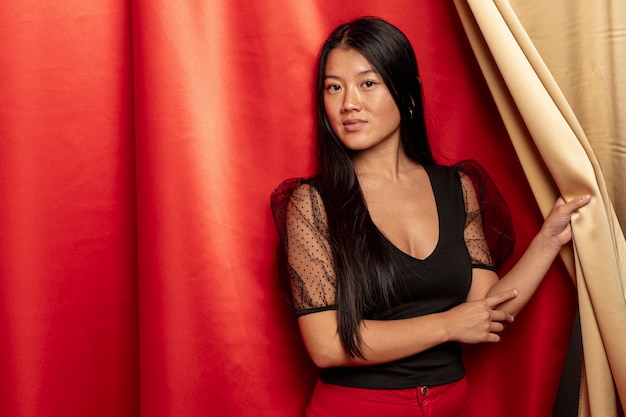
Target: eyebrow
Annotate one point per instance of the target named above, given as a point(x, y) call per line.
point(364, 72)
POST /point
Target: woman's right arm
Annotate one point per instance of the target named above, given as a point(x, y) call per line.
point(389, 340)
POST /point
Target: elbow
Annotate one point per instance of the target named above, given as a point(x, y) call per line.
point(322, 341)
point(327, 356)
point(330, 353)
point(322, 362)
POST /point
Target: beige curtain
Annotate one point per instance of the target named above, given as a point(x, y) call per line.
point(583, 43)
point(551, 128)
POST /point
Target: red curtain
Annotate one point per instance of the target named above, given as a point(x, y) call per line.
point(139, 143)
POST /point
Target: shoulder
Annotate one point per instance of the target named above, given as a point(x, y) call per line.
point(484, 201)
point(471, 172)
point(477, 183)
point(445, 176)
point(437, 171)
point(298, 188)
point(301, 193)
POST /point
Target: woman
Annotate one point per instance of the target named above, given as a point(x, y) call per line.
point(390, 259)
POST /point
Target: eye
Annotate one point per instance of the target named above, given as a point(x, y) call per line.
point(369, 84)
point(331, 88)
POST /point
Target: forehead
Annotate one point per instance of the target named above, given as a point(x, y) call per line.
point(346, 61)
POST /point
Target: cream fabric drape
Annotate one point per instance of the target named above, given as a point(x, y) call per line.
point(583, 43)
point(558, 158)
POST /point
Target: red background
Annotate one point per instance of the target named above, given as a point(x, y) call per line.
point(139, 143)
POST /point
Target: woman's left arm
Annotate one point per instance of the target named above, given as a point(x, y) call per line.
point(526, 275)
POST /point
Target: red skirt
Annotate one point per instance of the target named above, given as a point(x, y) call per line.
point(450, 400)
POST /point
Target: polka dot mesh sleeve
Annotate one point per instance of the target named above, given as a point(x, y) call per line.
point(489, 233)
point(305, 259)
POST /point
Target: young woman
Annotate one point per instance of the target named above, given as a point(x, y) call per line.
point(389, 259)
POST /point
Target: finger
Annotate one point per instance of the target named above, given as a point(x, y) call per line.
point(582, 201)
point(499, 316)
point(496, 327)
point(576, 203)
point(493, 337)
point(501, 297)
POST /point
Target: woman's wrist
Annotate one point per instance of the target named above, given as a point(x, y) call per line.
point(546, 245)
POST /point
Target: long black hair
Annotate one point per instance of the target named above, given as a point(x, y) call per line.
point(364, 272)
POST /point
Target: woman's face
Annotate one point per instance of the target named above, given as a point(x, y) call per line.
point(358, 104)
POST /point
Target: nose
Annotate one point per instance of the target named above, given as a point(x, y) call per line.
point(351, 100)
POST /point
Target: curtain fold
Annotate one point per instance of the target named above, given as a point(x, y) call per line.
point(139, 144)
point(68, 264)
point(558, 159)
point(584, 46)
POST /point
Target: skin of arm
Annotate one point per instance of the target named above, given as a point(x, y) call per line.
point(389, 340)
point(532, 267)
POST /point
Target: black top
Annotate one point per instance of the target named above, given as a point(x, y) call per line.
point(431, 285)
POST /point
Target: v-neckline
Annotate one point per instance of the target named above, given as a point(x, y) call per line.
point(404, 253)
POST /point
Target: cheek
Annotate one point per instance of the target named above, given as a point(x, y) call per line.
point(328, 107)
point(331, 113)
point(391, 112)
point(327, 111)
point(395, 115)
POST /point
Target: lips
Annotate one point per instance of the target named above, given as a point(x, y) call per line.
point(353, 125)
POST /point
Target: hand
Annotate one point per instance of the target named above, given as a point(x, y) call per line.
point(479, 321)
point(557, 228)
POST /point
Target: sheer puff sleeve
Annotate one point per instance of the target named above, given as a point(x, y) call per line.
point(305, 262)
point(489, 233)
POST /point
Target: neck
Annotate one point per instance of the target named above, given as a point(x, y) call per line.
point(383, 164)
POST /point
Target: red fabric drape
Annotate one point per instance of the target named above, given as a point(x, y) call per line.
point(139, 143)
point(68, 260)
